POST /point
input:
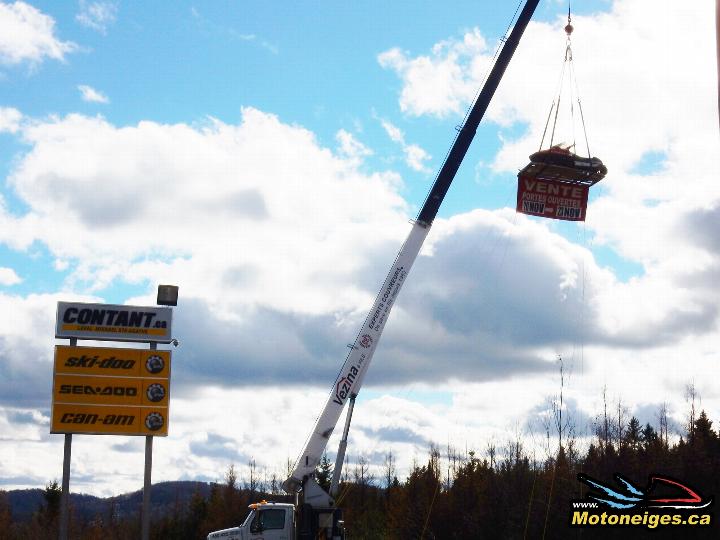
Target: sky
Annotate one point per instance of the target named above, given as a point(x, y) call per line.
point(267, 158)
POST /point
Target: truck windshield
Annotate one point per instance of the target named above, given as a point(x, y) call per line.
point(272, 519)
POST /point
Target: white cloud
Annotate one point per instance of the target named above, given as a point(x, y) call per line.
point(443, 81)
point(88, 93)
point(415, 156)
point(10, 119)
point(8, 276)
point(633, 104)
point(351, 147)
point(235, 184)
point(279, 246)
point(97, 15)
point(28, 35)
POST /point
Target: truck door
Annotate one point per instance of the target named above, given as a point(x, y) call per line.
point(271, 524)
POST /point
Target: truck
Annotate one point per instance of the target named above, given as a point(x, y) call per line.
point(314, 514)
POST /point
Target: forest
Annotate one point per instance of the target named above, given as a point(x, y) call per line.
point(504, 492)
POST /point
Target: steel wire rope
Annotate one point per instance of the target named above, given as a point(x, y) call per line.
point(492, 61)
point(432, 503)
point(467, 112)
point(558, 101)
point(582, 116)
point(459, 128)
point(530, 501)
point(347, 487)
point(352, 347)
point(549, 503)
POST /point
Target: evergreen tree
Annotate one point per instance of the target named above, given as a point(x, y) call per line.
point(323, 472)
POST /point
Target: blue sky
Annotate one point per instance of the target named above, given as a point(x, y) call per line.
point(266, 157)
point(312, 65)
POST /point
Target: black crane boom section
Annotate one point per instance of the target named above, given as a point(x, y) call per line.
point(467, 132)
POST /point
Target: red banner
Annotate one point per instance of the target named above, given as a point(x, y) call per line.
point(551, 199)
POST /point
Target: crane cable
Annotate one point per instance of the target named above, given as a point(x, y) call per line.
point(568, 67)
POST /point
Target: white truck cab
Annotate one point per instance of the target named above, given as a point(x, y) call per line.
point(266, 521)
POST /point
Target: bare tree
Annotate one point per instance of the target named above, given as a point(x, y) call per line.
point(514, 448)
point(252, 485)
point(491, 450)
point(361, 472)
point(663, 421)
point(274, 484)
point(606, 421)
point(453, 464)
point(621, 422)
point(691, 395)
point(389, 469)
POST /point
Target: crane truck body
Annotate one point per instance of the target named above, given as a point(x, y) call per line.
point(315, 515)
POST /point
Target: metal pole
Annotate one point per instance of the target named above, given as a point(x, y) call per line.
point(335, 483)
point(65, 494)
point(147, 486)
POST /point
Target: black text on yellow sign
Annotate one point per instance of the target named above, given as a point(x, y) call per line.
point(112, 361)
point(109, 420)
point(101, 390)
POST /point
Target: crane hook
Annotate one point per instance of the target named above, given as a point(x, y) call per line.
point(569, 27)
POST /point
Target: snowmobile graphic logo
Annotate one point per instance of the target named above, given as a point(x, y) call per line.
point(675, 495)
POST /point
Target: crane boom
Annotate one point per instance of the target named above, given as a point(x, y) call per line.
point(353, 371)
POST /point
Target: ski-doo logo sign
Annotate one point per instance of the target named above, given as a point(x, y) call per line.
point(112, 322)
point(343, 386)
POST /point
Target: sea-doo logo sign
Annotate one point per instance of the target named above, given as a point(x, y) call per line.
point(113, 322)
point(343, 386)
point(87, 390)
point(365, 341)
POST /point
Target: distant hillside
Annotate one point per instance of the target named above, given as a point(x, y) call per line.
point(166, 496)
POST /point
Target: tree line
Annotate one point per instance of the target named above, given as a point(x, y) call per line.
point(506, 493)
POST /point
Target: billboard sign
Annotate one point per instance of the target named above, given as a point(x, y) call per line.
point(101, 390)
point(551, 199)
point(113, 322)
point(109, 420)
point(112, 361)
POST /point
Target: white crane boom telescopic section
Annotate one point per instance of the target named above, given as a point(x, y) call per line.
point(353, 372)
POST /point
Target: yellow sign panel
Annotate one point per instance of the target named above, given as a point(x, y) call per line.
point(112, 361)
point(110, 390)
point(109, 420)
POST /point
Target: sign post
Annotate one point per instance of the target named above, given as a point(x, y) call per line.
point(111, 391)
point(65, 494)
point(147, 483)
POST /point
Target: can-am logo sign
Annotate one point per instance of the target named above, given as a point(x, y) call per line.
point(113, 322)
